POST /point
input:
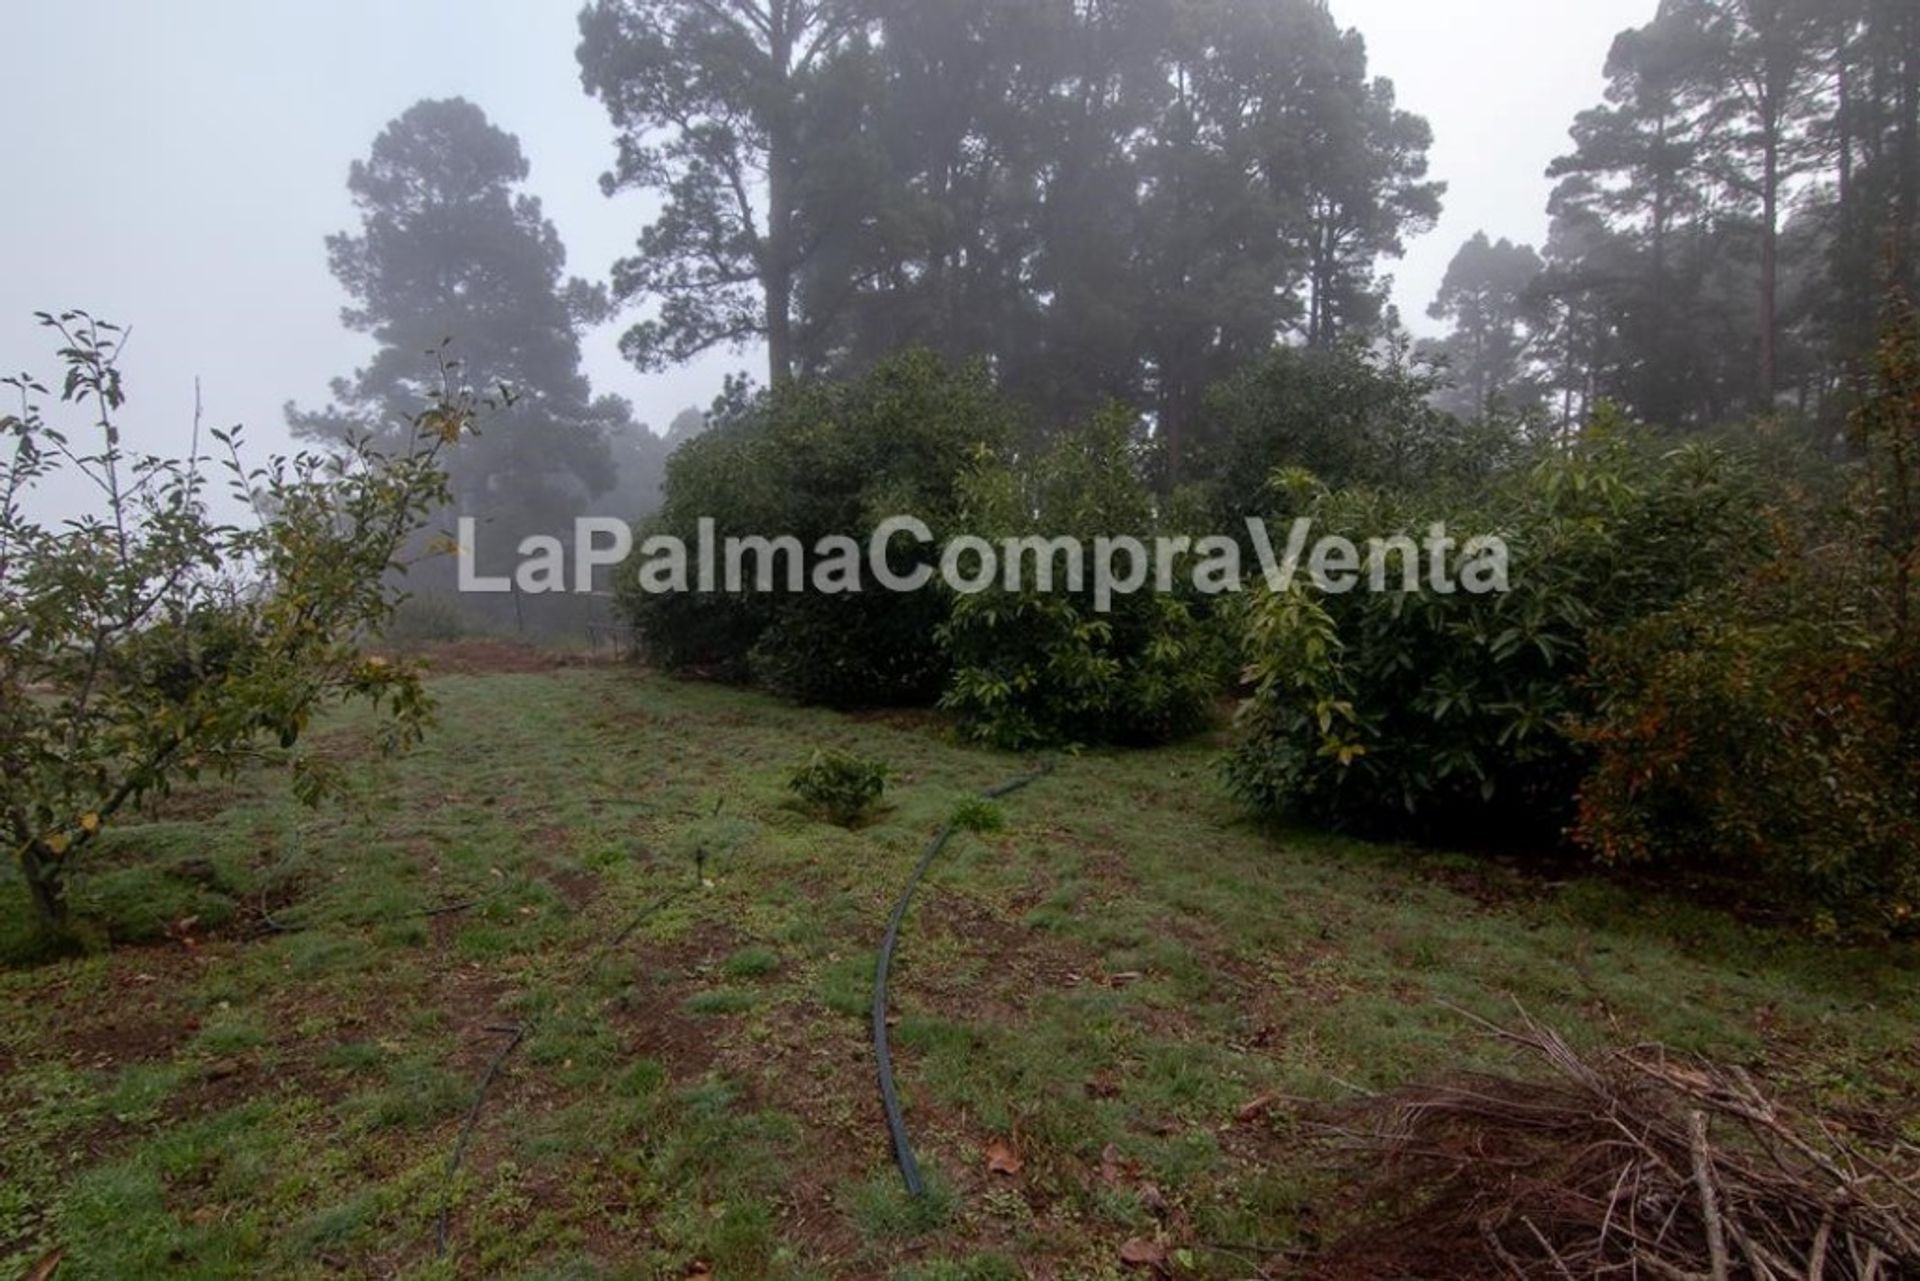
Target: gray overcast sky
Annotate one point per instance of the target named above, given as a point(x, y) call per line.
point(175, 166)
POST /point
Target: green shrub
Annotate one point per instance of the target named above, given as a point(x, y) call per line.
point(839, 785)
point(812, 460)
point(1449, 715)
point(1340, 413)
point(1762, 750)
point(978, 814)
point(1034, 668)
point(1768, 732)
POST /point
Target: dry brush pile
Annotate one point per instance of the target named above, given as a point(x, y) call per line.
point(1633, 1163)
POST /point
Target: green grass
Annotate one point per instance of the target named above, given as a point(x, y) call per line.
point(1102, 968)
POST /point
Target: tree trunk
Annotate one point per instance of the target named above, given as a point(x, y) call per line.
point(1320, 278)
point(1770, 269)
point(49, 900)
point(1843, 128)
point(1909, 132)
point(776, 268)
point(1173, 430)
point(779, 288)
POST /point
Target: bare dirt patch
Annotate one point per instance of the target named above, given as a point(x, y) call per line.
point(651, 1016)
point(140, 1020)
point(127, 1036)
point(577, 887)
point(1022, 963)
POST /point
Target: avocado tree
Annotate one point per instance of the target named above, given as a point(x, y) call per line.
point(144, 642)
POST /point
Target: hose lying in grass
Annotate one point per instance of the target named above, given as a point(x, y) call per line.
point(515, 1035)
point(882, 1053)
point(520, 1032)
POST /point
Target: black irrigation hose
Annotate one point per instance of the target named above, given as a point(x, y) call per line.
point(519, 1033)
point(516, 1035)
point(882, 1052)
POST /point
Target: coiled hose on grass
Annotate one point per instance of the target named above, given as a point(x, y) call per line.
point(882, 1052)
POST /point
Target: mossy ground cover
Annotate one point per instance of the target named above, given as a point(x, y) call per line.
point(1100, 975)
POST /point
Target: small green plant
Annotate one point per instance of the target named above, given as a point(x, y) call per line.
point(978, 814)
point(838, 785)
point(752, 963)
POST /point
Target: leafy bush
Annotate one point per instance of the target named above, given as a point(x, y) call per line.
point(145, 643)
point(1769, 730)
point(812, 460)
point(978, 814)
point(839, 785)
point(1442, 715)
point(1761, 750)
point(1032, 667)
point(1342, 415)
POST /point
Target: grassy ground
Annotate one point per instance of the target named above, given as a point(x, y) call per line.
point(1086, 998)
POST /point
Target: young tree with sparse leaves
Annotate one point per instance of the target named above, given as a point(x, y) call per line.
point(147, 642)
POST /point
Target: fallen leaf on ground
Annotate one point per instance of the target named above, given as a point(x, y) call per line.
point(1002, 1159)
point(1153, 1199)
point(45, 1266)
point(1257, 1106)
point(1142, 1253)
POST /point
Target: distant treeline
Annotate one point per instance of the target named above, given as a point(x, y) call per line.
point(1103, 199)
point(1725, 229)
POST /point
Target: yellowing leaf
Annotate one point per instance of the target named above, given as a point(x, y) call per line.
point(57, 843)
point(443, 424)
point(90, 823)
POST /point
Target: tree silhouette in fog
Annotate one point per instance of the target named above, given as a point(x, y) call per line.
point(451, 251)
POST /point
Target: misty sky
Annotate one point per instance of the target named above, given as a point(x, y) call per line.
point(175, 167)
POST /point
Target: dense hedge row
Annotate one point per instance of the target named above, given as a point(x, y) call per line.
point(1436, 714)
point(809, 461)
point(1705, 658)
point(1709, 661)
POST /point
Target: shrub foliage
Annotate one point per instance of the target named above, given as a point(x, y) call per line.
point(813, 460)
point(838, 785)
point(1033, 667)
point(145, 642)
point(1770, 727)
point(1448, 715)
